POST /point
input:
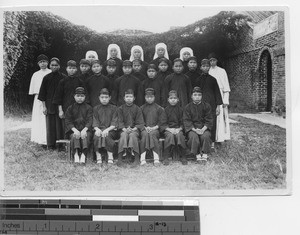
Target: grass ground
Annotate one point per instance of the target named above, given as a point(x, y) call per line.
point(255, 158)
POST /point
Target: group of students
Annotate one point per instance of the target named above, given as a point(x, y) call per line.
point(132, 101)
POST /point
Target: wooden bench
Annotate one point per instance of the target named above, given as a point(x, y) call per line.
point(67, 144)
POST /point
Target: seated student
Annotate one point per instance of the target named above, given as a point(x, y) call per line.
point(153, 82)
point(111, 73)
point(85, 69)
point(136, 67)
point(180, 83)
point(198, 121)
point(114, 53)
point(193, 72)
point(46, 95)
point(174, 137)
point(130, 122)
point(185, 54)
point(163, 71)
point(79, 119)
point(125, 82)
point(137, 53)
point(96, 82)
point(105, 124)
point(161, 51)
point(64, 94)
point(155, 119)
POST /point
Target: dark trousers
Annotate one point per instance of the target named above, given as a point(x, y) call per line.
point(129, 140)
point(175, 143)
point(80, 144)
point(54, 129)
point(199, 144)
point(107, 143)
point(214, 128)
point(150, 141)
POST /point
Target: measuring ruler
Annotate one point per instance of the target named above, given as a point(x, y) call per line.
point(95, 217)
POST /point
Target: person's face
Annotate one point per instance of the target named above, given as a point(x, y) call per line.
point(127, 70)
point(111, 69)
point(173, 100)
point(197, 97)
point(192, 64)
point(54, 66)
point(84, 68)
point(205, 68)
point(136, 67)
point(186, 55)
point(91, 57)
point(113, 52)
point(151, 73)
point(79, 98)
point(71, 70)
point(177, 67)
point(149, 98)
point(129, 98)
point(160, 52)
point(104, 99)
point(163, 66)
point(96, 68)
point(213, 62)
point(137, 54)
point(43, 64)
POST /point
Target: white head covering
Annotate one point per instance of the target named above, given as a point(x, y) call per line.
point(186, 49)
point(166, 55)
point(110, 46)
point(94, 53)
point(136, 47)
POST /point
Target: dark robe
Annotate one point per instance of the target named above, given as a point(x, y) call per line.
point(129, 116)
point(112, 78)
point(85, 76)
point(79, 116)
point(94, 84)
point(105, 116)
point(162, 75)
point(210, 94)
point(153, 115)
point(197, 116)
point(144, 68)
point(156, 62)
point(64, 94)
point(180, 83)
point(185, 67)
point(46, 94)
point(158, 86)
point(124, 83)
point(174, 120)
point(119, 64)
point(140, 76)
point(193, 75)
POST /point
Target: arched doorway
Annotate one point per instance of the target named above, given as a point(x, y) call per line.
point(265, 82)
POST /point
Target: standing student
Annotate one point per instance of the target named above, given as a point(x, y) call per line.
point(179, 82)
point(198, 121)
point(193, 72)
point(152, 81)
point(114, 53)
point(210, 94)
point(130, 123)
point(105, 123)
point(79, 119)
point(111, 73)
point(125, 82)
point(163, 69)
point(185, 54)
point(136, 67)
point(155, 120)
point(96, 82)
point(64, 94)
point(38, 129)
point(85, 69)
point(46, 95)
point(161, 51)
point(174, 137)
point(137, 53)
point(222, 129)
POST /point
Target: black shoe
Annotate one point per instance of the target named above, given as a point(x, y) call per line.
point(166, 162)
point(120, 163)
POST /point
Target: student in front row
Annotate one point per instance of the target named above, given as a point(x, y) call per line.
point(174, 137)
point(198, 121)
point(130, 122)
point(155, 119)
point(79, 119)
point(105, 124)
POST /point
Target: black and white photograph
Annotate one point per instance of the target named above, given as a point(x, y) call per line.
point(146, 100)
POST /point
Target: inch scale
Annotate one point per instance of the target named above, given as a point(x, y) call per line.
point(94, 217)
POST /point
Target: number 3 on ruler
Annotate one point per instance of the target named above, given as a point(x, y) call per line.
point(151, 227)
